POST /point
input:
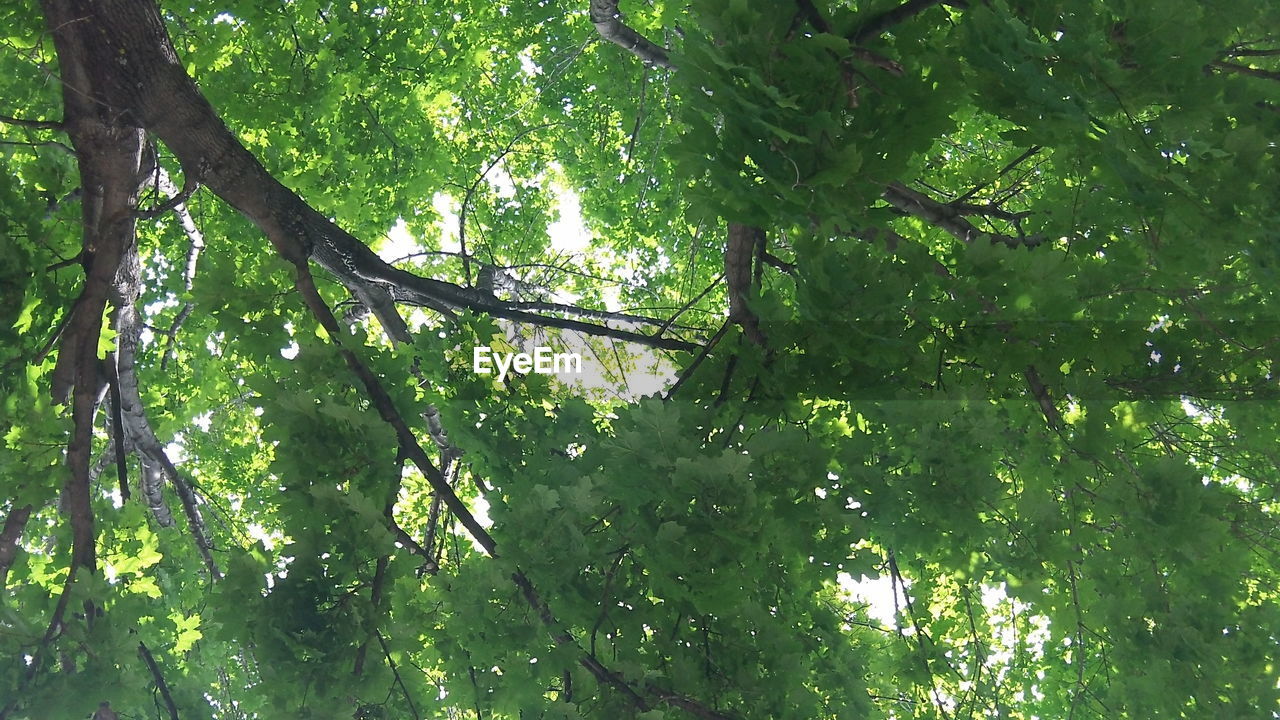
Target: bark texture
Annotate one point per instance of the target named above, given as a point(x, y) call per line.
point(608, 21)
point(745, 242)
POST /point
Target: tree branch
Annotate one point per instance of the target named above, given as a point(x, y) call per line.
point(988, 210)
point(946, 217)
point(117, 430)
point(1003, 171)
point(196, 245)
point(603, 315)
point(1251, 52)
point(10, 539)
point(167, 102)
point(811, 13)
point(395, 672)
point(693, 366)
point(1041, 394)
point(41, 143)
point(155, 460)
point(33, 124)
point(188, 187)
point(161, 685)
point(876, 26)
point(466, 198)
point(608, 21)
point(743, 244)
point(109, 155)
point(1245, 70)
point(685, 308)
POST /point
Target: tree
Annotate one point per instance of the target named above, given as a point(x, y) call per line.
point(977, 298)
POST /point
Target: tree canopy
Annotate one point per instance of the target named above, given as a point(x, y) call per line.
point(931, 355)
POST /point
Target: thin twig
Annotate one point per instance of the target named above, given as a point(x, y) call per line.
point(685, 308)
point(33, 124)
point(188, 187)
point(161, 685)
point(466, 199)
point(1003, 171)
point(41, 143)
point(706, 350)
point(395, 672)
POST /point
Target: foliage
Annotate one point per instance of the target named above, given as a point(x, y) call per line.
point(1019, 313)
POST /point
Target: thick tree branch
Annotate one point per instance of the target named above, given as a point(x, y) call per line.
point(1041, 394)
point(988, 210)
point(117, 430)
point(744, 243)
point(608, 21)
point(196, 245)
point(774, 261)
point(158, 677)
point(878, 25)
point(946, 217)
point(110, 158)
point(11, 538)
point(109, 153)
point(811, 13)
point(506, 311)
point(1240, 51)
point(576, 311)
point(412, 545)
point(1239, 69)
point(153, 491)
point(125, 292)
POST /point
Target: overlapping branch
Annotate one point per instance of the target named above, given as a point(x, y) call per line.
point(156, 464)
point(109, 155)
